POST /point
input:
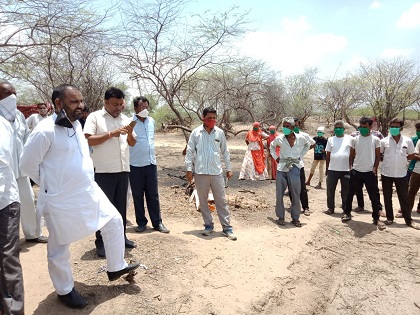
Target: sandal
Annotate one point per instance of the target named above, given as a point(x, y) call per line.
point(388, 222)
point(399, 215)
point(329, 211)
point(297, 223)
point(280, 222)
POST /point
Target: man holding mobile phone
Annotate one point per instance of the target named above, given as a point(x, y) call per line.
point(143, 169)
point(109, 132)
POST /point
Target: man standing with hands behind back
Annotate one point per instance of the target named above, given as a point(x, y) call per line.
point(109, 132)
point(143, 170)
point(205, 146)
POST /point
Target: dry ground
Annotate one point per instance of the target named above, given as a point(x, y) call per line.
point(325, 267)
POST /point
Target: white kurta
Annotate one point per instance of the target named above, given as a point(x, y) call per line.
point(58, 159)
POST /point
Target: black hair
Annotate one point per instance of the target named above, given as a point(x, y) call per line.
point(417, 125)
point(398, 121)
point(114, 92)
point(39, 104)
point(140, 99)
point(86, 109)
point(366, 120)
point(60, 91)
point(208, 110)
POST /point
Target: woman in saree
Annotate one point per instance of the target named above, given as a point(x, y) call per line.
point(253, 166)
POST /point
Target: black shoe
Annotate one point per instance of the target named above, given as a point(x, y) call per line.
point(114, 275)
point(73, 299)
point(140, 228)
point(161, 228)
point(100, 249)
point(41, 239)
point(129, 244)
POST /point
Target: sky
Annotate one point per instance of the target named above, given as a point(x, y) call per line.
point(334, 36)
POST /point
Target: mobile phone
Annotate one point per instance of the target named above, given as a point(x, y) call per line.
point(133, 123)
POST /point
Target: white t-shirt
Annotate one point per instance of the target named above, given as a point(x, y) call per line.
point(339, 147)
point(365, 152)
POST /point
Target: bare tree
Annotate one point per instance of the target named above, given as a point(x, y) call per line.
point(389, 86)
point(245, 90)
point(54, 42)
point(301, 92)
point(164, 52)
point(339, 97)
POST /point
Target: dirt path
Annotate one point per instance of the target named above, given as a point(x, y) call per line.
point(325, 267)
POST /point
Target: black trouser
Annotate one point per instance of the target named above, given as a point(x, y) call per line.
point(332, 180)
point(11, 279)
point(303, 191)
point(401, 186)
point(369, 179)
point(144, 182)
point(361, 201)
point(115, 186)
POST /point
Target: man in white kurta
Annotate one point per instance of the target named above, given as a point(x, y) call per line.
point(31, 227)
point(56, 156)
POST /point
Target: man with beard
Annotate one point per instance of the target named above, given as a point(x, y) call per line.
point(56, 156)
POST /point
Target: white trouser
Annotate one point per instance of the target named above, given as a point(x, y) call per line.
point(30, 225)
point(58, 256)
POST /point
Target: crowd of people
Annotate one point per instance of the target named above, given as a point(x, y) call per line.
point(351, 159)
point(86, 165)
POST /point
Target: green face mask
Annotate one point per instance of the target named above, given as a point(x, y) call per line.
point(286, 131)
point(296, 129)
point(364, 131)
point(394, 131)
point(272, 132)
point(255, 129)
point(418, 134)
point(339, 132)
point(320, 134)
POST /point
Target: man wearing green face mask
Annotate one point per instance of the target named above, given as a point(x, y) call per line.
point(396, 150)
point(303, 191)
point(292, 148)
point(359, 193)
point(319, 157)
point(364, 160)
point(337, 161)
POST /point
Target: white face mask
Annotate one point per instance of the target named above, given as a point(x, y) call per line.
point(144, 113)
point(8, 107)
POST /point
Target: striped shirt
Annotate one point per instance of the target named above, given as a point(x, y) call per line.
point(204, 151)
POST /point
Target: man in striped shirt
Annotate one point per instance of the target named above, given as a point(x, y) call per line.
point(206, 145)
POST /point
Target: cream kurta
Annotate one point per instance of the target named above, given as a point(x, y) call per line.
point(58, 159)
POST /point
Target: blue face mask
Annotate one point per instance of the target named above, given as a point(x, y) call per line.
point(286, 131)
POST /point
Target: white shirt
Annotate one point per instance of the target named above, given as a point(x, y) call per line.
point(204, 151)
point(58, 159)
point(111, 156)
point(365, 152)
point(290, 154)
point(394, 163)
point(416, 168)
point(34, 120)
point(9, 192)
point(339, 148)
